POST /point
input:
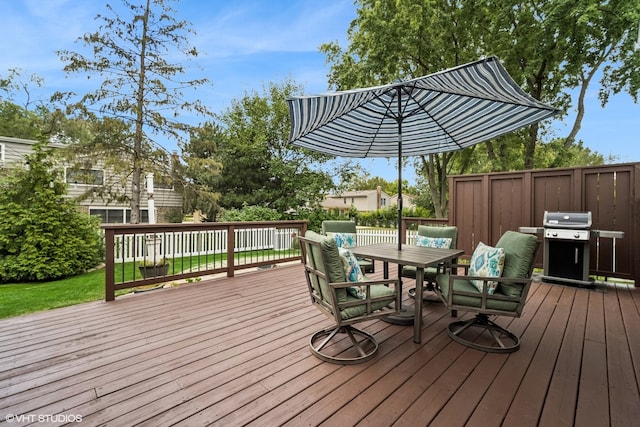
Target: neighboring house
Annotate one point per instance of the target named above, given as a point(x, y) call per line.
point(363, 201)
point(407, 201)
point(88, 182)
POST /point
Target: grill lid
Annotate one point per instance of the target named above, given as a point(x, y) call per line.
point(573, 220)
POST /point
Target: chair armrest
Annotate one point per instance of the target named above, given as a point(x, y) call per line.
point(368, 299)
point(484, 294)
point(364, 283)
point(443, 267)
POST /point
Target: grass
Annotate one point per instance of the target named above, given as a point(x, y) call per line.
point(23, 298)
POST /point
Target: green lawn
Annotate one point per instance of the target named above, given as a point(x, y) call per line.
point(22, 298)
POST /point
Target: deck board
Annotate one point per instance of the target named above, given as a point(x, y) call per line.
point(234, 351)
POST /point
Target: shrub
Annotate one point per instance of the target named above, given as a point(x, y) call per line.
point(42, 234)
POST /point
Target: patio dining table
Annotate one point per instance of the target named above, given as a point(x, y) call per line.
point(418, 256)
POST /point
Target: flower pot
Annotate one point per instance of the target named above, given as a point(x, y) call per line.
point(153, 270)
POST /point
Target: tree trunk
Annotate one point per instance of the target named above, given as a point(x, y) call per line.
point(139, 135)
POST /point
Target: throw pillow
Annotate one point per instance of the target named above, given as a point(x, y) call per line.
point(486, 261)
point(433, 242)
point(352, 272)
point(344, 240)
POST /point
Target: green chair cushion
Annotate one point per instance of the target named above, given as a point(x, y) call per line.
point(519, 249)
point(337, 226)
point(359, 310)
point(471, 301)
point(429, 272)
point(333, 261)
point(448, 232)
point(435, 232)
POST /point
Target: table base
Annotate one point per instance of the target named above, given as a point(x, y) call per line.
point(405, 317)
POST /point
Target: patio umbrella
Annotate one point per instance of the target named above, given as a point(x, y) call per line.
point(437, 113)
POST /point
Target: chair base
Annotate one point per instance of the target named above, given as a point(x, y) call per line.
point(430, 298)
point(365, 348)
point(503, 341)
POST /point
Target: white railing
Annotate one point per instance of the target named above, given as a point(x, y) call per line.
point(369, 236)
point(130, 247)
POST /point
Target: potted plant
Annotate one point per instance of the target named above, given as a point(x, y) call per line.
point(149, 268)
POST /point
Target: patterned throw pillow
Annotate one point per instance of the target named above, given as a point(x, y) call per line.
point(433, 242)
point(344, 240)
point(352, 272)
point(486, 261)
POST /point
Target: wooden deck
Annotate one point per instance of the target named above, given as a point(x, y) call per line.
point(234, 352)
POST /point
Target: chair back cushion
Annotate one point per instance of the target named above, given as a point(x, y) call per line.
point(334, 267)
point(334, 226)
point(448, 232)
point(520, 251)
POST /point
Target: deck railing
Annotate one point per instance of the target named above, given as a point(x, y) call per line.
point(145, 254)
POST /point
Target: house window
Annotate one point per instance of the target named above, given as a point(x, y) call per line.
point(117, 215)
point(383, 201)
point(1, 152)
point(353, 200)
point(345, 200)
point(84, 176)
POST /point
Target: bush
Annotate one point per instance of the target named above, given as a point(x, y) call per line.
point(42, 234)
point(250, 213)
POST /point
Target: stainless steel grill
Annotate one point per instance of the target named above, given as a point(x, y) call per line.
point(566, 247)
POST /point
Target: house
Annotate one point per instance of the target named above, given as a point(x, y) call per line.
point(363, 201)
point(86, 185)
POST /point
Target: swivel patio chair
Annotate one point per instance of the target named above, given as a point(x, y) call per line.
point(346, 235)
point(433, 236)
point(344, 302)
point(486, 292)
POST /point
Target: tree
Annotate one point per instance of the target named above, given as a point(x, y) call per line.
point(547, 47)
point(42, 234)
point(201, 171)
point(260, 167)
point(140, 93)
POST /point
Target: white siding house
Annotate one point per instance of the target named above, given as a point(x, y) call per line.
point(364, 201)
point(88, 182)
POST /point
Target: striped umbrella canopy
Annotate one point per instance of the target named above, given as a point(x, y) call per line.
point(442, 112)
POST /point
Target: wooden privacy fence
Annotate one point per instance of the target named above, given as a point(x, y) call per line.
point(484, 206)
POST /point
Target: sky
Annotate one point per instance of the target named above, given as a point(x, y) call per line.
point(244, 45)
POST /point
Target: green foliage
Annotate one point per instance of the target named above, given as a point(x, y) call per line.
point(250, 213)
point(201, 171)
point(173, 215)
point(42, 234)
point(316, 216)
point(259, 166)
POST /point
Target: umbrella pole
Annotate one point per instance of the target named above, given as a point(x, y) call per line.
point(399, 171)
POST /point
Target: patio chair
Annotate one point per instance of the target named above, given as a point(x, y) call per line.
point(487, 292)
point(346, 235)
point(344, 302)
point(433, 236)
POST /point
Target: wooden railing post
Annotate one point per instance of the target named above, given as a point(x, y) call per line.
point(231, 244)
point(109, 268)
